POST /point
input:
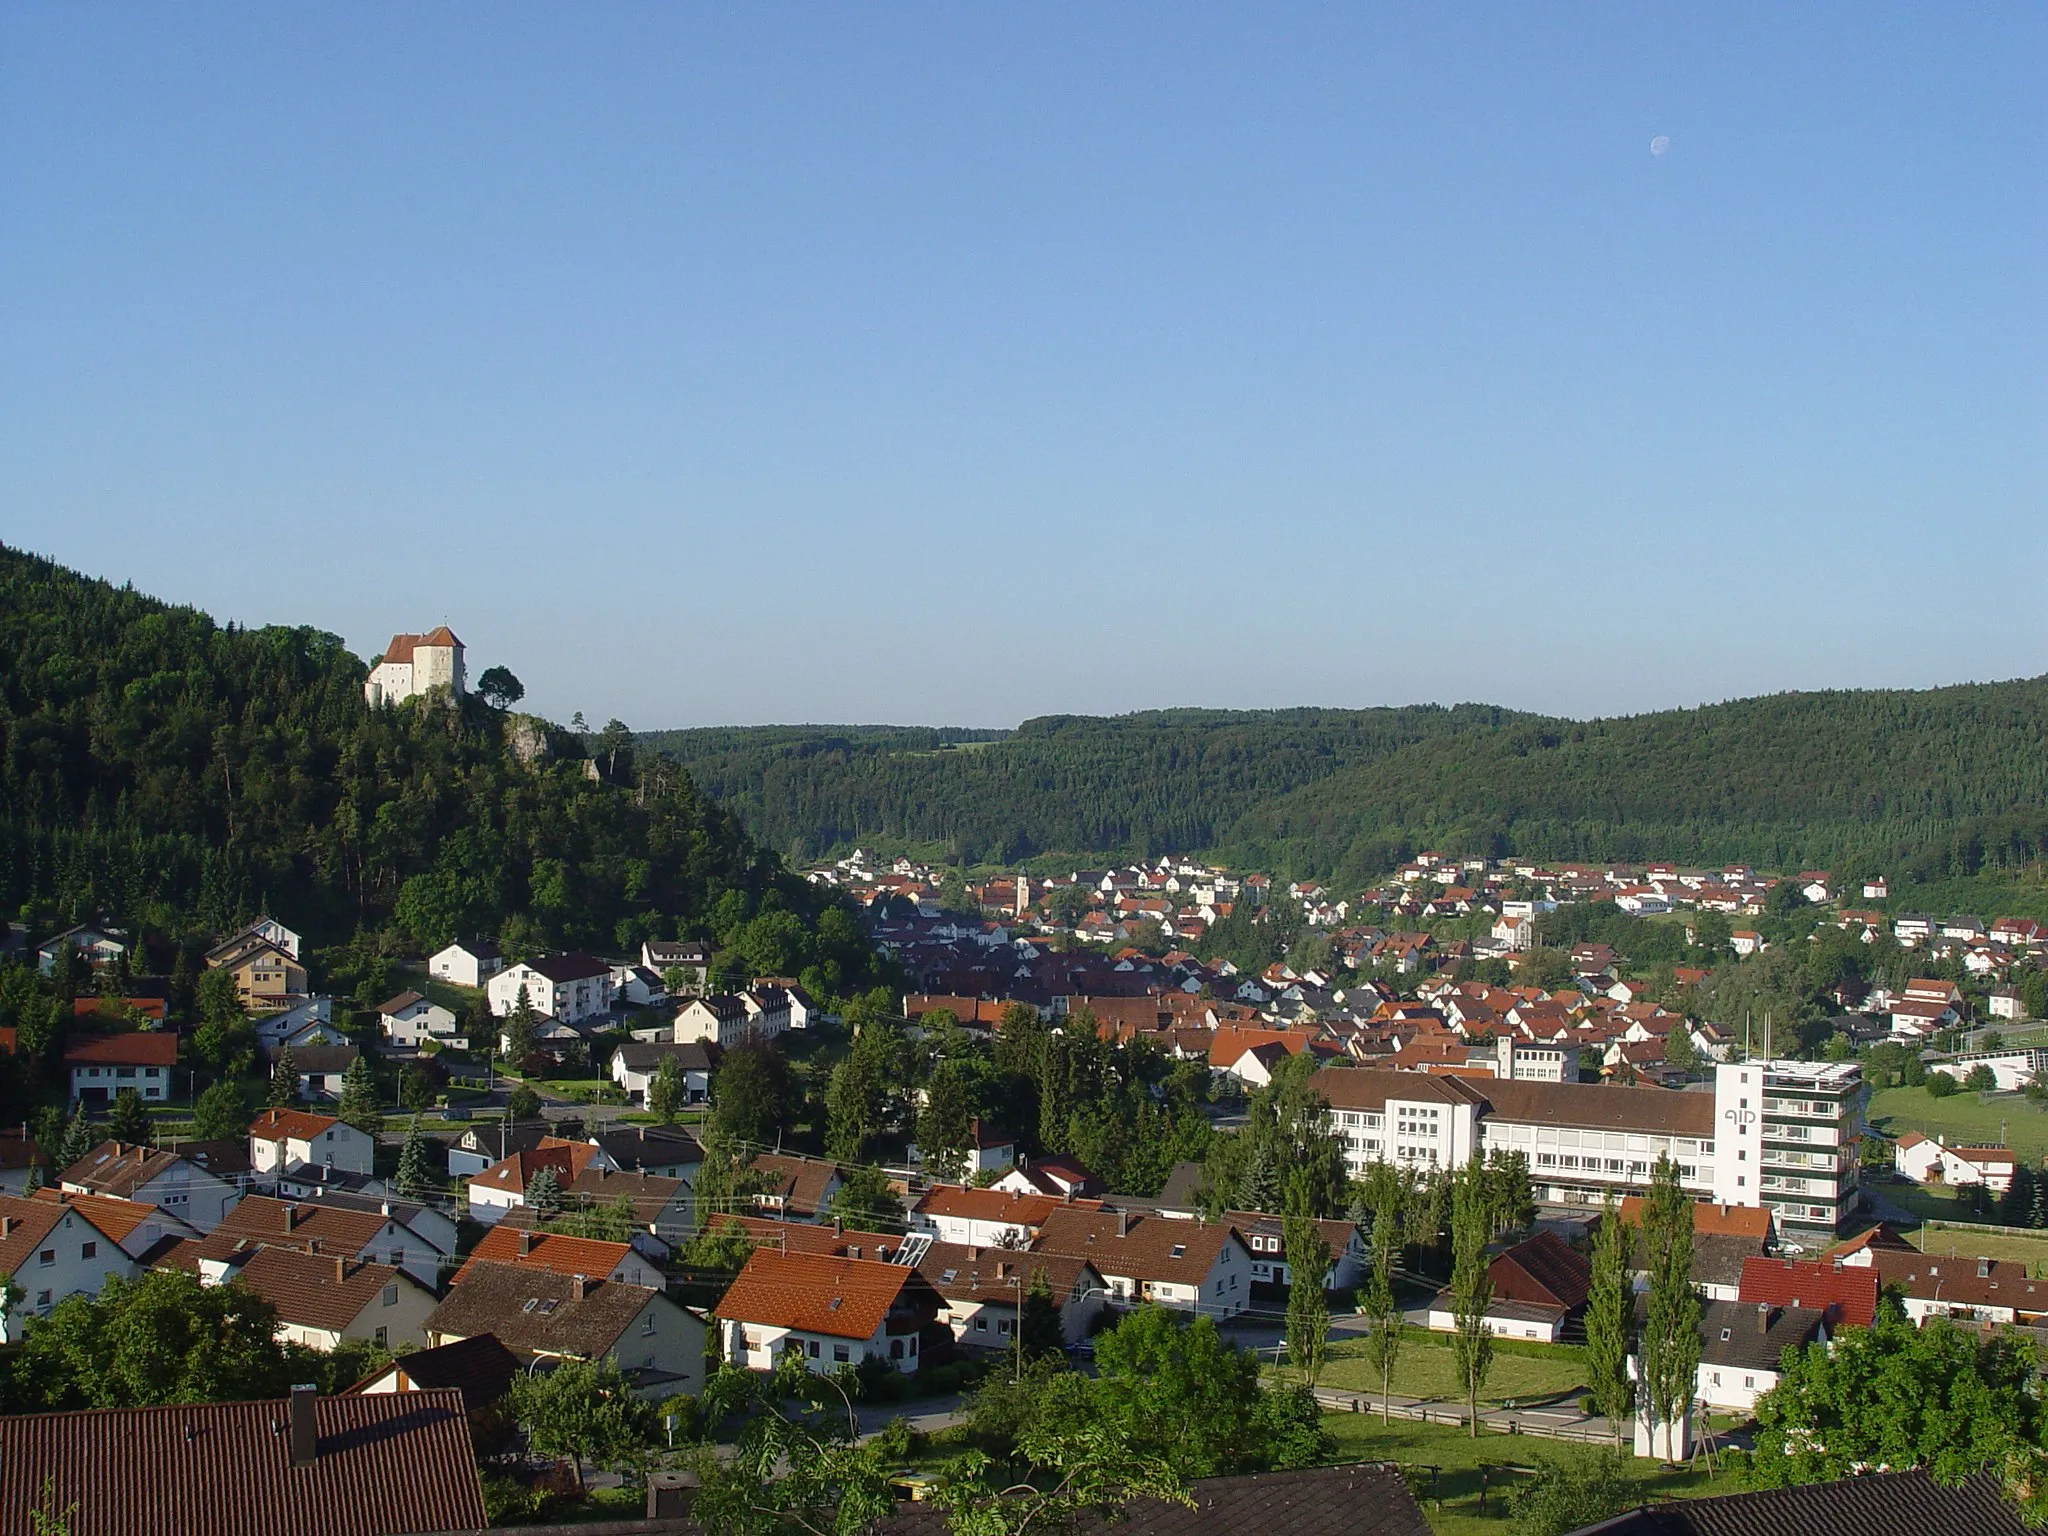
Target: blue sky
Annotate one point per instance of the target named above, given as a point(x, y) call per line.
point(961, 363)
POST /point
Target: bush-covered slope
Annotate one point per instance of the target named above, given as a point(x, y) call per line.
point(180, 773)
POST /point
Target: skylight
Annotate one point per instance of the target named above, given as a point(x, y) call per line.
point(1180, 1250)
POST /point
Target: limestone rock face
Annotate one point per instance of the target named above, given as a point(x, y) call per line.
point(527, 738)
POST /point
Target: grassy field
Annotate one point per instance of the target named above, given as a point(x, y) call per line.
point(1426, 1369)
point(1962, 1117)
point(1451, 1496)
point(2030, 1251)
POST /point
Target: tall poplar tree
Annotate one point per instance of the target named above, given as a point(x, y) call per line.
point(1609, 1308)
point(1471, 1285)
point(1385, 1191)
point(1308, 1309)
point(1671, 1330)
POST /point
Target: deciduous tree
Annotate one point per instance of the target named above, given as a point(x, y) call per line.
point(1471, 1283)
point(1609, 1313)
point(1670, 1345)
point(1308, 1309)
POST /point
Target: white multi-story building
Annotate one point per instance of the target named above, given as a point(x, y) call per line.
point(416, 664)
point(568, 987)
point(1780, 1134)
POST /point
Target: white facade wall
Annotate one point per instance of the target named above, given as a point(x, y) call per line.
point(74, 1258)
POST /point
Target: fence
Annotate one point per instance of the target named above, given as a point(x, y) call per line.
point(1427, 1413)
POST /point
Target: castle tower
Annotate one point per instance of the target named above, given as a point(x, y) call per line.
point(416, 664)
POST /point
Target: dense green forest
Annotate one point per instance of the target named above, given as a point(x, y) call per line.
point(1136, 785)
point(1935, 785)
point(182, 775)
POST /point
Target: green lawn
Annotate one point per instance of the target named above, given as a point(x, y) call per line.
point(448, 994)
point(1427, 1369)
point(2030, 1251)
point(1451, 1500)
point(1962, 1117)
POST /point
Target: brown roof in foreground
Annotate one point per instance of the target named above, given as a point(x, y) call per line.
point(385, 1464)
point(1875, 1504)
point(1370, 1499)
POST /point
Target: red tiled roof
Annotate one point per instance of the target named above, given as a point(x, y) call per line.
point(1850, 1289)
point(383, 1464)
point(1709, 1219)
point(136, 1048)
point(293, 1124)
point(567, 1158)
point(553, 1251)
point(814, 1293)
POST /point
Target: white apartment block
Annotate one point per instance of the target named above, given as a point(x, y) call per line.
point(1779, 1134)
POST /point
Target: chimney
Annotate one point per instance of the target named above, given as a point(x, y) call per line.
point(340, 1268)
point(6, 1226)
point(670, 1495)
point(313, 1246)
point(1123, 1223)
point(525, 1242)
point(291, 1217)
point(305, 1438)
point(838, 1226)
point(579, 1287)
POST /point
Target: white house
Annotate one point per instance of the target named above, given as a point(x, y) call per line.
point(540, 1315)
point(372, 1233)
point(984, 1218)
point(634, 1065)
point(52, 1250)
point(98, 945)
point(176, 1184)
point(722, 1020)
point(827, 1310)
point(1936, 1162)
point(1266, 1238)
point(503, 1185)
point(570, 987)
point(983, 1287)
point(102, 1065)
point(690, 956)
point(323, 1300)
point(307, 1022)
point(1191, 1266)
point(281, 1140)
point(1741, 1344)
point(410, 1021)
point(466, 962)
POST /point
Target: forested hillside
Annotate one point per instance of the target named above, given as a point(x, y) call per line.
point(1935, 783)
point(181, 774)
point(1133, 785)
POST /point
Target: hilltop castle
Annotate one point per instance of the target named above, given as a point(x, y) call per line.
point(416, 664)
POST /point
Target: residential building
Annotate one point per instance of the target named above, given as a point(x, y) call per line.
point(1538, 1286)
point(1191, 1266)
point(663, 1151)
point(1742, 1344)
point(96, 943)
point(466, 962)
point(321, 1068)
point(1795, 1129)
point(1724, 1237)
point(690, 956)
point(561, 1255)
point(267, 977)
point(102, 1065)
point(51, 1249)
point(1869, 1504)
point(481, 1369)
point(722, 1019)
point(19, 1156)
point(1265, 1237)
point(409, 1021)
point(540, 1315)
point(379, 1237)
point(982, 1289)
point(827, 1310)
point(1845, 1293)
point(413, 665)
point(355, 1466)
point(568, 987)
point(1965, 1290)
point(985, 1218)
point(797, 1188)
point(176, 1182)
point(1056, 1174)
point(635, 1063)
point(309, 1021)
point(1936, 1162)
point(504, 1184)
point(281, 1140)
point(321, 1300)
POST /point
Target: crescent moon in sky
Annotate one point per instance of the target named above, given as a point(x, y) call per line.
point(1660, 144)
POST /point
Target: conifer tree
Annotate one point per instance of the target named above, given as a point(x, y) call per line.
point(522, 1033)
point(129, 1121)
point(79, 1139)
point(415, 1177)
point(544, 1191)
point(284, 1080)
point(359, 1098)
